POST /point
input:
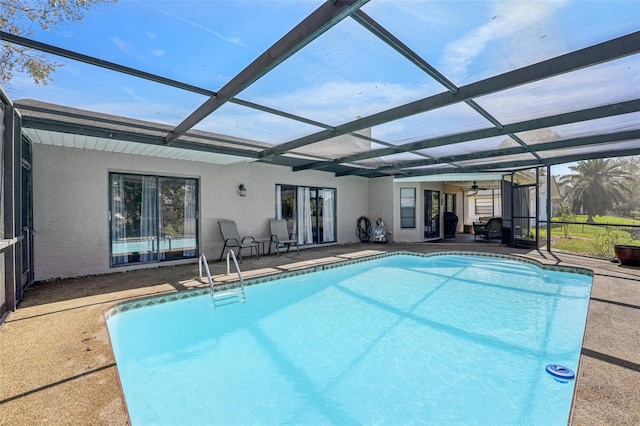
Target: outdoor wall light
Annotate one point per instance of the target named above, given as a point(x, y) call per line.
point(242, 190)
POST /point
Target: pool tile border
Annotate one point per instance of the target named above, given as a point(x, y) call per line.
point(146, 301)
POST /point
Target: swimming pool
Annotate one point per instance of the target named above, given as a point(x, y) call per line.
point(396, 340)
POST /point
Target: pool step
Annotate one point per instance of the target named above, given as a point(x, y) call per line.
point(228, 294)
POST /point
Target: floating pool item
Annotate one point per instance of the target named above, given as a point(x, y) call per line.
point(560, 371)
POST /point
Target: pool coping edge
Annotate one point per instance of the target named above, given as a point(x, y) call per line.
point(144, 301)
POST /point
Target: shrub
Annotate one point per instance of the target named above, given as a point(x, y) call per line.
point(604, 242)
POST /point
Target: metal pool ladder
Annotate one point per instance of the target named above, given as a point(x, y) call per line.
point(229, 293)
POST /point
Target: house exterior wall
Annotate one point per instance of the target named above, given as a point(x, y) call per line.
point(410, 235)
point(381, 203)
point(71, 202)
point(406, 235)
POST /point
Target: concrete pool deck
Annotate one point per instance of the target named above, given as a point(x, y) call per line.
point(57, 367)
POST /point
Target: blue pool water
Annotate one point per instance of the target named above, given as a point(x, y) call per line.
point(148, 245)
point(399, 340)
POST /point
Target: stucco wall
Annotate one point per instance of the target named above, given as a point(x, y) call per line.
point(408, 235)
point(71, 203)
point(381, 202)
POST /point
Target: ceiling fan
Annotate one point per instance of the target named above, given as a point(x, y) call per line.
point(473, 189)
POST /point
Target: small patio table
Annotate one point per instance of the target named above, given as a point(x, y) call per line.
point(262, 242)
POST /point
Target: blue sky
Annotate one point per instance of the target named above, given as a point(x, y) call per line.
point(344, 74)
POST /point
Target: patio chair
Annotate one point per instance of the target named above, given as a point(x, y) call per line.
point(280, 235)
point(232, 240)
point(489, 230)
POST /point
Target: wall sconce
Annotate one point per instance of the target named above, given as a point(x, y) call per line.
point(242, 190)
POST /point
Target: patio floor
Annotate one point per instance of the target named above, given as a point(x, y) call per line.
point(57, 366)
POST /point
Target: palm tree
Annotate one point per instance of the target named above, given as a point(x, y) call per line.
point(631, 206)
point(596, 186)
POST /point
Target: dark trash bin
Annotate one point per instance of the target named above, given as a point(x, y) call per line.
point(450, 224)
point(506, 236)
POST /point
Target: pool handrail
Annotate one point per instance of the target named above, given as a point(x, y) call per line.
point(237, 291)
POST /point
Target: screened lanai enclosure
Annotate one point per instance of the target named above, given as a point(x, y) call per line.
point(367, 88)
point(496, 92)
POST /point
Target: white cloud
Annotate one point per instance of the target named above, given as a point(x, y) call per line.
point(131, 92)
point(508, 22)
point(607, 83)
point(121, 44)
point(341, 101)
point(232, 40)
point(130, 49)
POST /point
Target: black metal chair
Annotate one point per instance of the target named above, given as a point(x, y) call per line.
point(489, 230)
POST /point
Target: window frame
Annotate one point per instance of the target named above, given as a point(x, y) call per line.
point(408, 212)
point(159, 212)
point(450, 203)
point(317, 212)
point(483, 205)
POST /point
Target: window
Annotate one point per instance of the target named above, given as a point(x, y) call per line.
point(484, 205)
point(450, 203)
point(310, 212)
point(152, 218)
point(407, 207)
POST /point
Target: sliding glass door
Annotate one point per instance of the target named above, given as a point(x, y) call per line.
point(310, 212)
point(431, 214)
point(178, 218)
point(152, 218)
